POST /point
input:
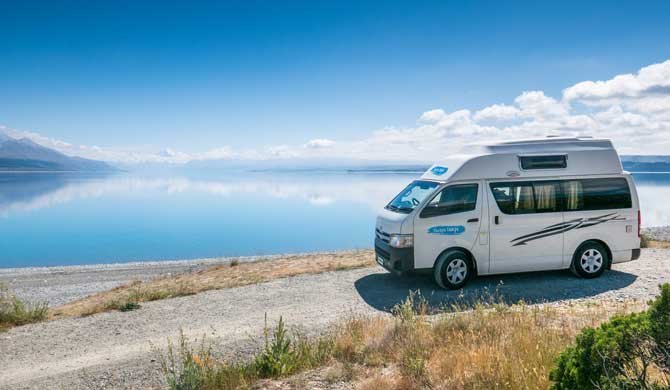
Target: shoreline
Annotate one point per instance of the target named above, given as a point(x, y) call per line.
point(199, 261)
point(59, 285)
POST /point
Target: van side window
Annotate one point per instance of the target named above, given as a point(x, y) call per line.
point(527, 197)
point(567, 195)
point(514, 198)
point(451, 200)
point(596, 194)
point(543, 162)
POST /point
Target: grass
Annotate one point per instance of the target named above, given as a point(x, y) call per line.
point(236, 274)
point(489, 347)
point(15, 312)
point(646, 242)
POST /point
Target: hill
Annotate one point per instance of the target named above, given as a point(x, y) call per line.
point(25, 155)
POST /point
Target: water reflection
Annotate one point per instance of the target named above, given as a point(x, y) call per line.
point(26, 192)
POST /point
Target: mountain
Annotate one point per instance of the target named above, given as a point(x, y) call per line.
point(646, 163)
point(25, 155)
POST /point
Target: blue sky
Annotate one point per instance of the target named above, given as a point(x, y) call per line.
point(144, 76)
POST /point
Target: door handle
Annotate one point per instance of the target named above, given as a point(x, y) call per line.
point(473, 220)
point(496, 220)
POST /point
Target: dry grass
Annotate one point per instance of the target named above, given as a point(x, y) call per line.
point(218, 277)
point(489, 347)
point(656, 244)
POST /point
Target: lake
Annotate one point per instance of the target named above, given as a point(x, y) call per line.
point(64, 219)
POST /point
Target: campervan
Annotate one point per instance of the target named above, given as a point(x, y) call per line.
point(533, 205)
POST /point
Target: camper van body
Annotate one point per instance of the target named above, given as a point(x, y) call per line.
point(546, 204)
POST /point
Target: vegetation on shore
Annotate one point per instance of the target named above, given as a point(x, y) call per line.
point(631, 351)
point(15, 312)
point(491, 346)
point(129, 296)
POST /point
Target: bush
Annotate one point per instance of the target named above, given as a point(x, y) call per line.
point(15, 312)
point(279, 357)
point(190, 368)
point(629, 351)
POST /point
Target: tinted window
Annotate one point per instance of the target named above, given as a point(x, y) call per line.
point(568, 195)
point(514, 198)
point(451, 200)
point(596, 194)
point(543, 162)
point(527, 197)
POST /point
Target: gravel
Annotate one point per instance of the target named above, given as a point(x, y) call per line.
point(119, 350)
point(59, 285)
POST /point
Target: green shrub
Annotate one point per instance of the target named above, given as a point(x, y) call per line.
point(621, 353)
point(644, 240)
point(15, 312)
point(189, 368)
point(278, 358)
point(129, 306)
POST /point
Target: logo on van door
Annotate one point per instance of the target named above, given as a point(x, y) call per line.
point(439, 171)
point(447, 230)
point(559, 228)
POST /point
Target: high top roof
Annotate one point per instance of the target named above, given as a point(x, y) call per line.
point(585, 156)
point(550, 144)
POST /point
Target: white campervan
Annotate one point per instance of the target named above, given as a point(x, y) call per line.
point(546, 204)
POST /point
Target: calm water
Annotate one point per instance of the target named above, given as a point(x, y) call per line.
point(48, 219)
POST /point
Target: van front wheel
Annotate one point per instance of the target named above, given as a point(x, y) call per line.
point(590, 260)
point(452, 270)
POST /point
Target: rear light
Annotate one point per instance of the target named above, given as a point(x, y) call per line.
point(639, 224)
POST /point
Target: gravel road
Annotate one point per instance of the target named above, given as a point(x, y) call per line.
point(114, 350)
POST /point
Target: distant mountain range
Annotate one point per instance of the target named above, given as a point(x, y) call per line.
point(25, 155)
point(646, 163)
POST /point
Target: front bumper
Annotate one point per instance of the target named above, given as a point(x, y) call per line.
point(396, 260)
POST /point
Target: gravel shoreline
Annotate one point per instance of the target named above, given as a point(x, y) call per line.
point(61, 284)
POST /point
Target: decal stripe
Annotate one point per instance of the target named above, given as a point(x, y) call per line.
point(562, 227)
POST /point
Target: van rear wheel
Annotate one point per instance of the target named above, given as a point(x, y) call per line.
point(590, 260)
point(452, 270)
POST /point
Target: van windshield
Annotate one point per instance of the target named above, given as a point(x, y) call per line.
point(412, 196)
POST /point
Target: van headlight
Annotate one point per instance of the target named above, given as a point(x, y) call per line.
point(401, 240)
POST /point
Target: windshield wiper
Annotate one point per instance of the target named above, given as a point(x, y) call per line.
point(397, 209)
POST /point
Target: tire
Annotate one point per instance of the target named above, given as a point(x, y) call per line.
point(590, 260)
point(452, 270)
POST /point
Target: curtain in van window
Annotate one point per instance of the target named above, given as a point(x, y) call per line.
point(573, 192)
point(545, 196)
point(523, 198)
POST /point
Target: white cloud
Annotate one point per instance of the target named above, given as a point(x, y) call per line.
point(650, 80)
point(497, 112)
point(319, 143)
point(631, 109)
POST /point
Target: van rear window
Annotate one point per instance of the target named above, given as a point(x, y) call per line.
point(596, 194)
point(543, 162)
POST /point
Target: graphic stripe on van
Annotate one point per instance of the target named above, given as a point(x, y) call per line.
point(558, 228)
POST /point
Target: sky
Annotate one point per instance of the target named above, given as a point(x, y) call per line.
point(134, 81)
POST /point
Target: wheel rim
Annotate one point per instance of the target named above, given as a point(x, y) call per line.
point(591, 261)
point(457, 270)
